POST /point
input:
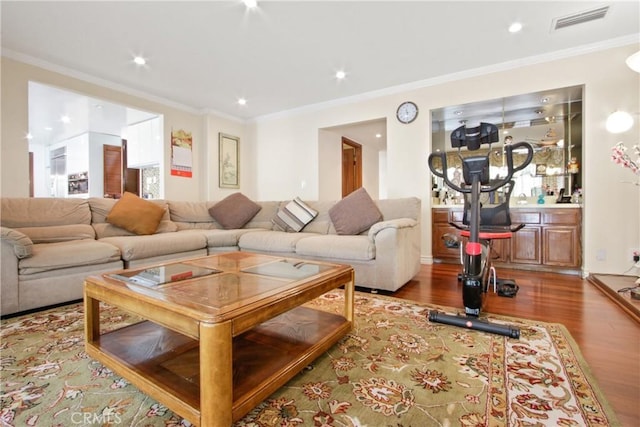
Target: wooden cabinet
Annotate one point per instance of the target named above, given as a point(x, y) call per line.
point(525, 243)
point(561, 239)
point(446, 239)
point(525, 246)
point(551, 238)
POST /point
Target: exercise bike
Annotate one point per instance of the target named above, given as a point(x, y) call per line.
point(481, 227)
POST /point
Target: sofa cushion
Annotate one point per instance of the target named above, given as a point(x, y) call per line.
point(42, 212)
point(234, 211)
point(407, 207)
point(22, 244)
point(321, 224)
point(221, 238)
point(135, 214)
point(271, 241)
point(355, 213)
point(294, 216)
point(153, 245)
point(185, 212)
point(359, 248)
point(59, 233)
point(54, 256)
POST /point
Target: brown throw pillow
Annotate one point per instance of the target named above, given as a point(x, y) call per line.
point(135, 214)
point(355, 213)
point(234, 211)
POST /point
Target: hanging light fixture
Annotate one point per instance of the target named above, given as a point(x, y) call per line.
point(619, 121)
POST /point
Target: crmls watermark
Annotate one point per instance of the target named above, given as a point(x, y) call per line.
point(89, 418)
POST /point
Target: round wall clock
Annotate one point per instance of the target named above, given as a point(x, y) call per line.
point(407, 112)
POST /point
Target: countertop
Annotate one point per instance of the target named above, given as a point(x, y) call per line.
point(546, 205)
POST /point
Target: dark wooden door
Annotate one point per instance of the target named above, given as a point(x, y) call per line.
point(112, 163)
point(131, 175)
point(351, 166)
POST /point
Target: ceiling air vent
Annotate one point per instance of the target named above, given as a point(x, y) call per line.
point(580, 17)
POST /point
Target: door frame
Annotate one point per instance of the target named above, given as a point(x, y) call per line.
point(351, 178)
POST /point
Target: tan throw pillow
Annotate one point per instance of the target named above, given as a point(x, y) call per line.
point(355, 213)
point(135, 214)
point(234, 211)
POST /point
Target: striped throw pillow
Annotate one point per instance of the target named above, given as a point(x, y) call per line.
point(294, 216)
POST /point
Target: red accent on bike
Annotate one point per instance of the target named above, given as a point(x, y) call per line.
point(473, 248)
point(487, 235)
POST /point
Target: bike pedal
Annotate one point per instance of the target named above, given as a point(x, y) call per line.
point(508, 289)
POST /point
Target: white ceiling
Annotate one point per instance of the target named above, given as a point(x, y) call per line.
point(204, 55)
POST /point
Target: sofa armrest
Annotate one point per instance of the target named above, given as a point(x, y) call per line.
point(8, 275)
point(397, 246)
point(398, 223)
point(20, 242)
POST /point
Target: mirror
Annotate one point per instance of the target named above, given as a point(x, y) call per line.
point(551, 121)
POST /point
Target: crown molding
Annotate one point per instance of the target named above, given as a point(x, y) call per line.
point(37, 62)
point(393, 90)
point(447, 78)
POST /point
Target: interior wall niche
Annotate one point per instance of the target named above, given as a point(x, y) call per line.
point(551, 121)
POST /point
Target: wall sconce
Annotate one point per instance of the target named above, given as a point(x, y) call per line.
point(634, 62)
point(619, 121)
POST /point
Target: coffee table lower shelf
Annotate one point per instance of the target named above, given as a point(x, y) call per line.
point(165, 364)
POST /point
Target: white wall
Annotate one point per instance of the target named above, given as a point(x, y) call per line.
point(14, 176)
point(281, 151)
point(609, 204)
point(210, 189)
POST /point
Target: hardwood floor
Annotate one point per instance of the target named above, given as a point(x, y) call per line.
point(608, 337)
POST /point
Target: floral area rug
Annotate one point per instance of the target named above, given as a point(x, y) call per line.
point(394, 369)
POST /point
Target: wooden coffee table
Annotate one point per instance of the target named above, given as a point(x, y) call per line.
point(215, 344)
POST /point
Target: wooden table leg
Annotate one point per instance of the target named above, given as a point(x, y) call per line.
point(91, 318)
point(216, 375)
point(349, 289)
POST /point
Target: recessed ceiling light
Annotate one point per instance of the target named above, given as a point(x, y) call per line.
point(340, 74)
point(242, 101)
point(65, 119)
point(250, 4)
point(378, 135)
point(29, 136)
point(515, 27)
point(139, 60)
point(48, 128)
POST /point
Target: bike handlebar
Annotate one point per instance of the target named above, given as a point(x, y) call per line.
point(492, 186)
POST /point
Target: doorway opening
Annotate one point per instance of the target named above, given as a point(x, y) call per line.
point(76, 144)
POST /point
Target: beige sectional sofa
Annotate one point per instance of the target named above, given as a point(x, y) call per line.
point(49, 245)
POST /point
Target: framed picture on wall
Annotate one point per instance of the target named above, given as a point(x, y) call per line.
point(229, 157)
point(541, 169)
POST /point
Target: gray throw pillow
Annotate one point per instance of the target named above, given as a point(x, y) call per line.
point(294, 216)
point(234, 211)
point(355, 213)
